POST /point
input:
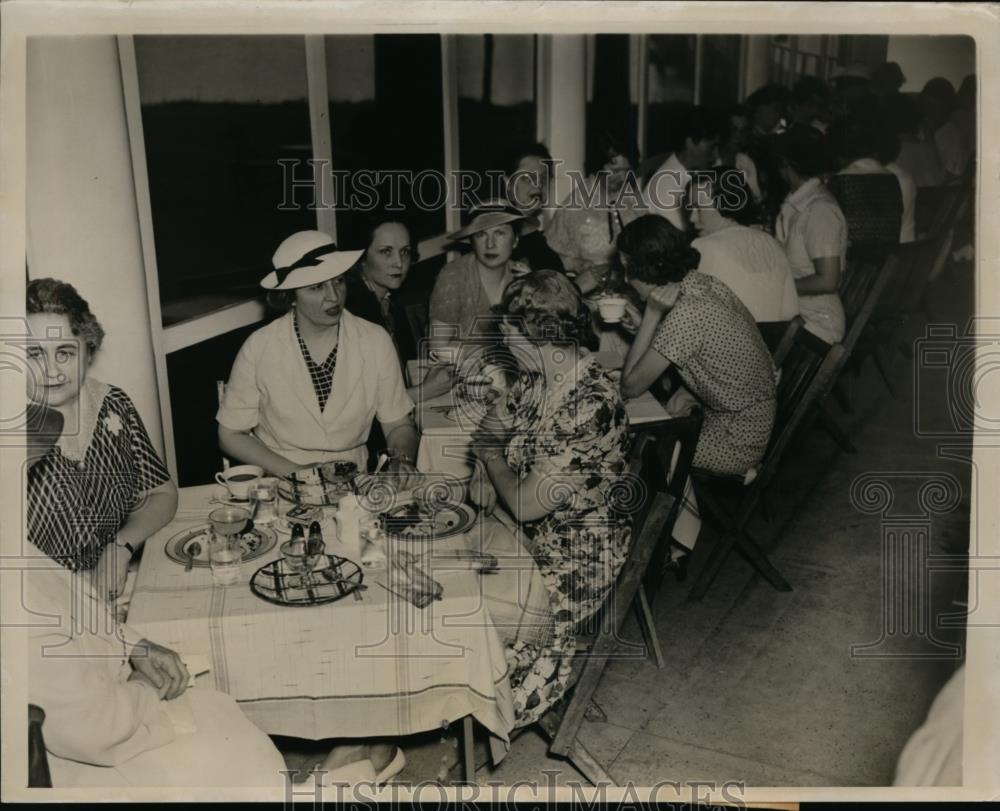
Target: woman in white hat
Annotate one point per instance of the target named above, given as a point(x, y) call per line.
point(471, 285)
point(307, 387)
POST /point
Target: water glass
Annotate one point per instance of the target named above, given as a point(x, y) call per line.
point(225, 558)
point(265, 495)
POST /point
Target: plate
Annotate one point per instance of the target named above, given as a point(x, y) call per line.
point(409, 522)
point(332, 579)
point(256, 543)
point(319, 485)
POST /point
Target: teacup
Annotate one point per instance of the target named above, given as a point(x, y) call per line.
point(239, 480)
point(612, 309)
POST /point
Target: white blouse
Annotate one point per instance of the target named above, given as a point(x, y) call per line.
point(812, 226)
point(271, 394)
point(753, 265)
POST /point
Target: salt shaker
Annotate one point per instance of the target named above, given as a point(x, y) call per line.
point(349, 526)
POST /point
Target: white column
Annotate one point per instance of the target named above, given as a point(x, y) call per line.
point(756, 66)
point(562, 103)
point(82, 221)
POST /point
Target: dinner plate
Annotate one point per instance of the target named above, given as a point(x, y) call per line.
point(319, 485)
point(409, 522)
point(257, 542)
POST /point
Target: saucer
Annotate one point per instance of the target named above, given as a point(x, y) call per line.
point(222, 496)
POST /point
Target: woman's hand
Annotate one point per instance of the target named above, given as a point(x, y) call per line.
point(437, 381)
point(589, 279)
point(663, 298)
point(519, 268)
point(481, 490)
point(111, 572)
point(403, 472)
point(632, 319)
point(160, 667)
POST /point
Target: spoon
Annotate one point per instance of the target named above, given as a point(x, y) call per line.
point(193, 551)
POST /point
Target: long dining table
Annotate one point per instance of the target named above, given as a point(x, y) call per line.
point(374, 667)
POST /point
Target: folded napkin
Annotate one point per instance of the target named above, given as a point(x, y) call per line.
point(406, 579)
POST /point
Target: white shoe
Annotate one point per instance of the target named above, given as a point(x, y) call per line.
point(361, 771)
point(396, 765)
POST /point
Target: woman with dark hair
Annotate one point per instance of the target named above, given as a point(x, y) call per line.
point(102, 490)
point(747, 260)
point(812, 229)
point(697, 325)
point(306, 387)
point(527, 173)
point(389, 251)
point(585, 227)
point(938, 101)
point(551, 452)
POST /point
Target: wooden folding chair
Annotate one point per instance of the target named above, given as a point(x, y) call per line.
point(861, 294)
point(808, 367)
point(38, 759)
point(936, 207)
point(660, 461)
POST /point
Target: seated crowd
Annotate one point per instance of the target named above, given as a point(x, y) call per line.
point(735, 227)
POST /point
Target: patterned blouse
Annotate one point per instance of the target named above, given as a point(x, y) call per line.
point(321, 374)
point(712, 339)
point(77, 506)
point(578, 429)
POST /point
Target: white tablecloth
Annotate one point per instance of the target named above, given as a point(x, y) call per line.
point(349, 669)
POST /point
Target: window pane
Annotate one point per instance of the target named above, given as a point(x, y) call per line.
point(496, 97)
point(218, 113)
point(671, 86)
point(611, 92)
point(720, 79)
point(386, 114)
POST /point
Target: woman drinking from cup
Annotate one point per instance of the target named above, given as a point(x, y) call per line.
point(694, 323)
point(306, 387)
point(102, 490)
point(550, 452)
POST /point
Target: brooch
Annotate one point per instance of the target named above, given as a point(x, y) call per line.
point(113, 423)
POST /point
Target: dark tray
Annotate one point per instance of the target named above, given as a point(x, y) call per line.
point(332, 579)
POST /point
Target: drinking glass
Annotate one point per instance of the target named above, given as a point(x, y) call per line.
point(265, 496)
point(226, 551)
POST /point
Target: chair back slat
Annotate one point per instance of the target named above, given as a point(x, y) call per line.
point(653, 463)
point(38, 760)
point(797, 401)
point(878, 283)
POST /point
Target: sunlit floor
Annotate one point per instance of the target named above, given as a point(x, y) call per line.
point(761, 687)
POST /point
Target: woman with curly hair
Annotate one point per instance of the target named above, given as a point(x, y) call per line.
point(102, 489)
point(550, 452)
point(696, 325)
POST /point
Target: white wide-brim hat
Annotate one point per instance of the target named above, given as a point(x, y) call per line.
point(307, 258)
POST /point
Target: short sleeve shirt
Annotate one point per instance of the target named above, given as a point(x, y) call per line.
point(75, 508)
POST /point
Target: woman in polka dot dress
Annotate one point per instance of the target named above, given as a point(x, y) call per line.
point(695, 324)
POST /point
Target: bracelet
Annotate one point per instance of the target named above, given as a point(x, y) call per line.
point(398, 456)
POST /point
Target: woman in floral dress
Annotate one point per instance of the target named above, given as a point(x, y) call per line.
point(552, 450)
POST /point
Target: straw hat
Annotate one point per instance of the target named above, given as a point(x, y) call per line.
point(488, 215)
point(307, 258)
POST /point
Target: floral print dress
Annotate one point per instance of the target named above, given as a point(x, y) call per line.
point(575, 435)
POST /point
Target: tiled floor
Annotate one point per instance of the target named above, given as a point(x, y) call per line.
point(761, 687)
